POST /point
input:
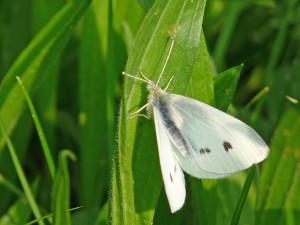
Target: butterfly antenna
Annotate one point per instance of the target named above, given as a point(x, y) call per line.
point(137, 78)
point(150, 81)
point(168, 83)
point(163, 69)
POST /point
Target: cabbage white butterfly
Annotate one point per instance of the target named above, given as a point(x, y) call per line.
point(197, 138)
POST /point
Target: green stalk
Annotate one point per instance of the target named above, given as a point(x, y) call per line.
point(243, 197)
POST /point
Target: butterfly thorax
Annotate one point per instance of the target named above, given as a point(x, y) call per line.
point(155, 94)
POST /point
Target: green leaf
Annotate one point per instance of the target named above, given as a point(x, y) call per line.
point(234, 9)
point(243, 197)
point(205, 200)
point(37, 59)
point(146, 4)
point(39, 129)
point(61, 190)
point(278, 200)
point(225, 85)
point(19, 212)
point(92, 115)
point(136, 167)
point(20, 139)
point(21, 174)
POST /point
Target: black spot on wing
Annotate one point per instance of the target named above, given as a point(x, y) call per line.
point(171, 178)
point(227, 146)
point(204, 150)
point(207, 150)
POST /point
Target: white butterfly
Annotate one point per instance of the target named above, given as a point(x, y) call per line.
point(197, 138)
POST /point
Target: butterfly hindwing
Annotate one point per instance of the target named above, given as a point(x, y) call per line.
point(172, 174)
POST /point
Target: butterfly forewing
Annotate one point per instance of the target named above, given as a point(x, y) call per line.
point(217, 142)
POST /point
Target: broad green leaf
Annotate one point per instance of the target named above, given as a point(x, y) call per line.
point(61, 190)
point(47, 98)
point(201, 84)
point(92, 114)
point(204, 200)
point(136, 167)
point(14, 31)
point(279, 201)
point(84, 216)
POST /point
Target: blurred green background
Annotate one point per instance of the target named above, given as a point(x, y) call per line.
point(70, 55)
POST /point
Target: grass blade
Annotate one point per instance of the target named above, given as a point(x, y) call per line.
point(25, 185)
point(36, 59)
point(61, 191)
point(234, 9)
point(279, 200)
point(243, 197)
point(19, 212)
point(39, 129)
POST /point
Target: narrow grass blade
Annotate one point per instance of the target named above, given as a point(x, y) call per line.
point(45, 147)
point(10, 186)
point(243, 197)
point(234, 9)
point(257, 97)
point(61, 191)
point(49, 216)
point(280, 39)
point(19, 212)
point(21, 174)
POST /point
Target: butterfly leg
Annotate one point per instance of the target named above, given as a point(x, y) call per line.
point(135, 114)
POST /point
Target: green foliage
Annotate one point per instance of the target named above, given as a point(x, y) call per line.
point(70, 55)
point(61, 191)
